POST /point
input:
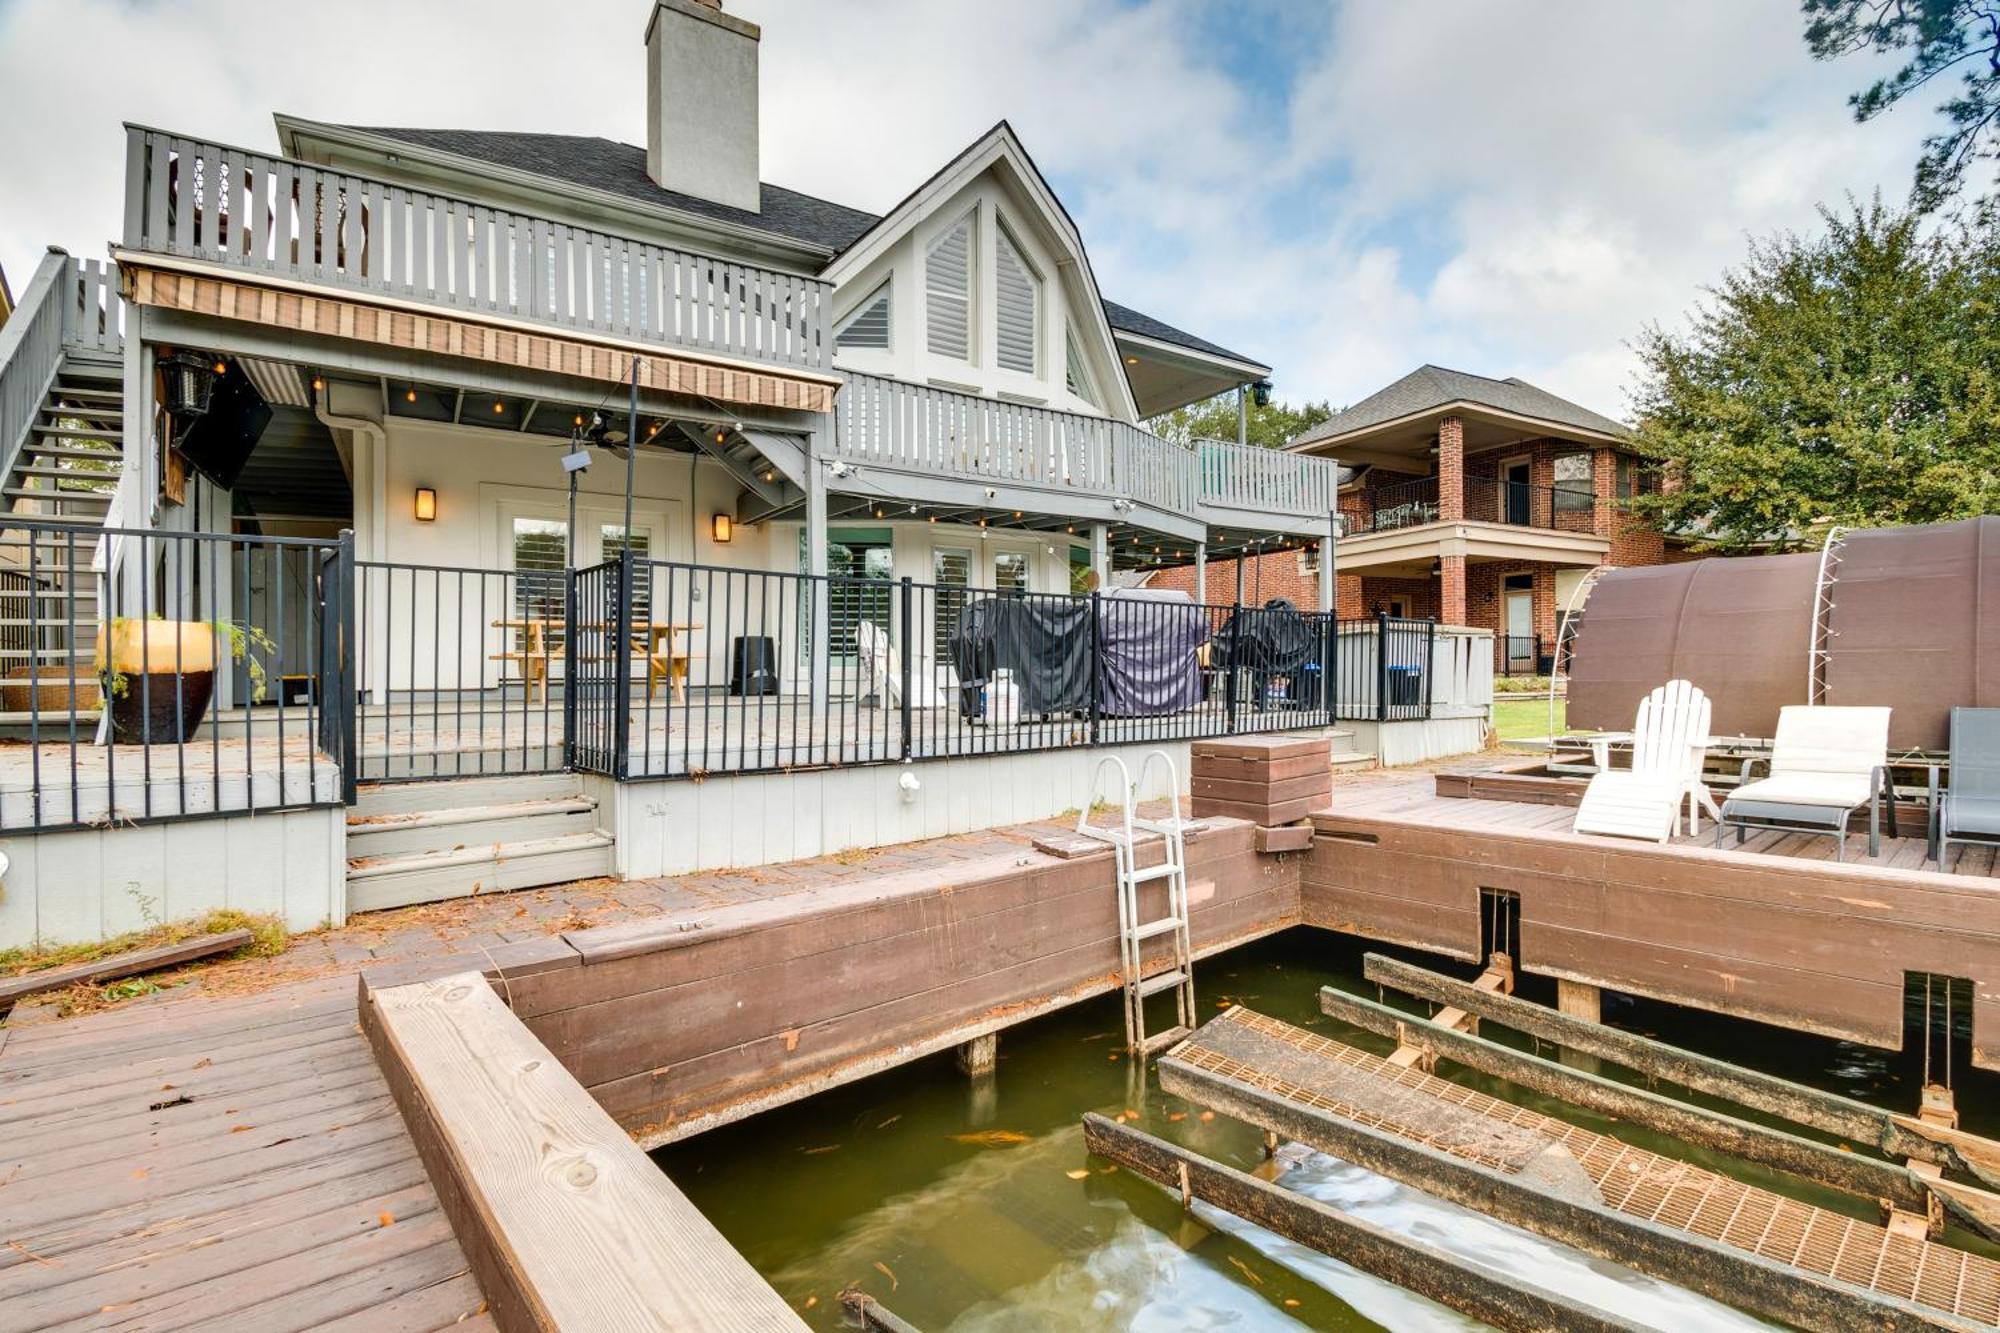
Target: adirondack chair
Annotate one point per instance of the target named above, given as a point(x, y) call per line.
point(1969, 812)
point(884, 673)
point(1669, 742)
point(1826, 763)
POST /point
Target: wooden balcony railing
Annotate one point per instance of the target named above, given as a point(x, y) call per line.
point(916, 428)
point(268, 216)
point(1243, 476)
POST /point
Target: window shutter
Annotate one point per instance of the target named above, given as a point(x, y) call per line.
point(1017, 294)
point(1078, 372)
point(948, 293)
point(868, 326)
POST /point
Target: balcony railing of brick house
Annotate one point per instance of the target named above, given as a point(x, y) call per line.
point(270, 217)
point(1409, 504)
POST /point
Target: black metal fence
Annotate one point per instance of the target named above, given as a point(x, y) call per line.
point(1519, 655)
point(159, 675)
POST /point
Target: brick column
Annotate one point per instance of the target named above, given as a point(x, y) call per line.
point(1451, 470)
point(1547, 613)
point(1603, 481)
point(1451, 590)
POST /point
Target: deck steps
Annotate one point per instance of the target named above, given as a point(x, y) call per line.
point(1345, 758)
point(421, 842)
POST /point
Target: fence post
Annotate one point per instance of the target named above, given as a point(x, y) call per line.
point(1229, 677)
point(620, 641)
point(350, 740)
point(1381, 666)
point(1096, 658)
point(908, 652)
point(570, 676)
point(1430, 666)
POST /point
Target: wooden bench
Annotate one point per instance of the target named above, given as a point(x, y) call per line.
point(567, 1224)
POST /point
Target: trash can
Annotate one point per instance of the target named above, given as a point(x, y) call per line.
point(753, 666)
point(1406, 685)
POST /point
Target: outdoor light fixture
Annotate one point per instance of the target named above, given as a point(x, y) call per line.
point(409, 395)
point(318, 383)
point(721, 529)
point(577, 460)
point(427, 504)
point(189, 383)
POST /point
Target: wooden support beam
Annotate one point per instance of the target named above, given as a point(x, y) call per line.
point(14, 989)
point(874, 1317)
point(1415, 1265)
point(567, 1224)
point(1894, 1135)
point(1776, 1291)
point(1865, 1177)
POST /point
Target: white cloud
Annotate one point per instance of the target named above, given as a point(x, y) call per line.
point(1514, 187)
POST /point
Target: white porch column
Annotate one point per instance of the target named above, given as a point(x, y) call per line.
point(1201, 572)
point(1100, 554)
point(1327, 589)
point(820, 621)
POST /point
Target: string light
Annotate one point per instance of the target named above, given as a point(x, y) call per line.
point(498, 407)
point(318, 384)
point(409, 395)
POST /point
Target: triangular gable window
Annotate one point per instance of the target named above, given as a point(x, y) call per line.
point(1078, 370)
point(948, 293)
point(1018, 296)
point(868, 325)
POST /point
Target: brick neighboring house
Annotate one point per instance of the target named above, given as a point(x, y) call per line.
point(1476, 501)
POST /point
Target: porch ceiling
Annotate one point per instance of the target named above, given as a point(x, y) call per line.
point(1477, 542)
point(1410, 444)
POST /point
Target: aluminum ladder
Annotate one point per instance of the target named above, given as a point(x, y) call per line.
point(1177, 974)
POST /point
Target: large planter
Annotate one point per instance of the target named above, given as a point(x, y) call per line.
point(158, 676)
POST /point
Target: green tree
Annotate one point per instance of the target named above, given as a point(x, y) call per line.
point(1849, 377)
point(1271, 425)
point(1940, 37)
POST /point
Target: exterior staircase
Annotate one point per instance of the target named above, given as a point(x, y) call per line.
point(62, 479)
point(422, 842)
point(1346, 759)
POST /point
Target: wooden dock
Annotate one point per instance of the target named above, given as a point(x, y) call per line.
point(1774, 931)
point(235, 1163)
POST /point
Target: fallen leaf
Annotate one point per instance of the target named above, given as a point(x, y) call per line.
point(1081, 1173)
point(885, 1271)
point(811, 1301)
point(813, 1152)
point(1207, 1116)
point(1132, 1113)
point(1106, 1170)
point(141, 1172)
point(1292, 1301)
point(992, 1138)
point(1245, 1270)
point(19, 1248)
point(890, 1121)
point(203, 1063)
point(241, 1129)
point(386, 1218)
point(1176, 1116)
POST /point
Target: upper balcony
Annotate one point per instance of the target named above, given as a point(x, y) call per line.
point(1497, 518)
point(1068, 463)
point(274, 223)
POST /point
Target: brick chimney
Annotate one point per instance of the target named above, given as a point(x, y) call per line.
point(701, 103)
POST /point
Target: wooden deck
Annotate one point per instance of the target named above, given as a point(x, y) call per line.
point(1775, 931)
point(230, 1163)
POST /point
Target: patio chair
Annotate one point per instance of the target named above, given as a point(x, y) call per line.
point(1969, 812)
point(884, 672)
point(1669, 743)
point(1826, 763)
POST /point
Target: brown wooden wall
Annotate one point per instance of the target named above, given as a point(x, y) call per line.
point(672, 1029)
point(1796, 943)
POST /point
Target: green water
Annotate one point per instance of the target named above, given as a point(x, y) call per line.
point(973, 1206)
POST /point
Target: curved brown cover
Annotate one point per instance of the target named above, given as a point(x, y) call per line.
point(1916, 625)
point(1739, 628)
point(1914, 621)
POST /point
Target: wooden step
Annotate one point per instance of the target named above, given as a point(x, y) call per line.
point(472, 826)
point(110, 455)
point(388, 798)
point(64, 389)
point(68, 474)
point(72, 432)
point(377, 883)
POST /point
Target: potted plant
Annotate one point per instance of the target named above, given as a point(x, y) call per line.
point(160, 674)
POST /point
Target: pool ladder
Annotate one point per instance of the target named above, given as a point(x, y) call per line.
point(1177, 974)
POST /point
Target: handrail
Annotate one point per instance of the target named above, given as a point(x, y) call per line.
point(31, 344)
point(1249, 476)
point(273, 216)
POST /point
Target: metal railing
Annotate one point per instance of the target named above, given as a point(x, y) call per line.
point(1518, 655)
point(1403, 504)
point(203, 661)
point(1247, 476)
point(1407, 504)
point(273, 217)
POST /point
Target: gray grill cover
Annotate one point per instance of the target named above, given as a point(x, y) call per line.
point(1148, 666)
point(1151, 636)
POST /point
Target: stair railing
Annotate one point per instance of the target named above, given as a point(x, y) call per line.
point(31, 346)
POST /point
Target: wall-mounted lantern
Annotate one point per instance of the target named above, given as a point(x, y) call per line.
point(427, 505)
point(188, 382)
point(721, 528)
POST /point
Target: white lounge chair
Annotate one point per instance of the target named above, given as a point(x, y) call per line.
point(1826, 763)
point(1669, 742)
point(884, 672)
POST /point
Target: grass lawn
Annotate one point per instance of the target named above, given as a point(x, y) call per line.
point(1517, 718)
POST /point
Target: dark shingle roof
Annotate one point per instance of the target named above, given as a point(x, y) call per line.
point(620, 169)
point(1428, 388)
point(1127, 320)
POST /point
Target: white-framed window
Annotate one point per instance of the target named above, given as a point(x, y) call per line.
point(948, 292)
point(1576, 487)
point(1017, 306)
point(1076, 370)
point(867, 325)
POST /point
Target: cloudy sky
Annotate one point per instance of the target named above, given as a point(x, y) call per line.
point(1343, 190)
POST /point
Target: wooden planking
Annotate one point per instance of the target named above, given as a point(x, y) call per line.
point(216, 1162)
point(570, 1225)
point(1782, 938)
point(12, 989)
